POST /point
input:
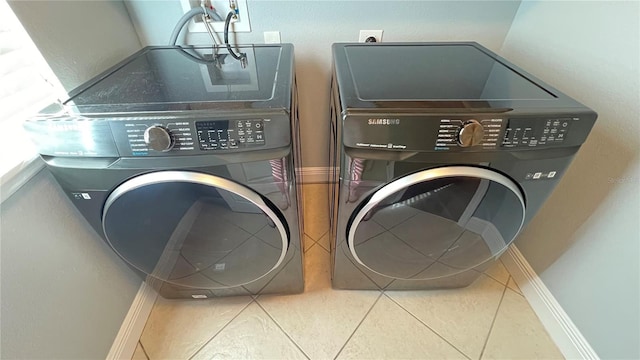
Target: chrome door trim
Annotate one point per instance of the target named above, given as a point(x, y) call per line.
point(202, 179)
point(422, 176)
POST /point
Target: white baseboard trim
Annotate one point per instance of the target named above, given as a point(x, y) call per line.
point(124, 345)
point(314, 175)
point(555, 320)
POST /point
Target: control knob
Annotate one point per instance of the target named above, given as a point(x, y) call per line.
point(158, 138)
point(470, 134)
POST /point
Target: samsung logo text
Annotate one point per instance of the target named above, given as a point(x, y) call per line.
point(383, 122)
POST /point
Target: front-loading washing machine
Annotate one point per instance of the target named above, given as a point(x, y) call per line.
point(183, 159)
point(444, 152)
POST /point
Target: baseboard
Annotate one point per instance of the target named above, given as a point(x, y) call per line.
point(124, 345)
point(314, 175)
point(555, 320)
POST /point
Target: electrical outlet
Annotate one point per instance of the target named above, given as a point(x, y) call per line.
point(241, 24)
point(272, 37)
point(366, 34)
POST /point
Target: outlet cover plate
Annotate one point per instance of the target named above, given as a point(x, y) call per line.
point(364, 34)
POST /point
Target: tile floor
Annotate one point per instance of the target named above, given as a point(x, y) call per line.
point(488, 320)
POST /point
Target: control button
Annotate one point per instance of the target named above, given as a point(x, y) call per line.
point(551, 174)
point(158, 138)
point(258, 125)
point(537, 175)
point(259, 137)
point(470, 134)
point(240, 124)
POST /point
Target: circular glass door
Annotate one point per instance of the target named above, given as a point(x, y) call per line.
point(194, 230)
point(436, 222)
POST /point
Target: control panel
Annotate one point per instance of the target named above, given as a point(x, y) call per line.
point(141, 137)
point(468, 132)
point(159, 137)
point(505, 133)
point(535, 132)
point(465, 132)
point(230, 134)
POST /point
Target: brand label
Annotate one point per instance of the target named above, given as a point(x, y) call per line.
point(383, 121)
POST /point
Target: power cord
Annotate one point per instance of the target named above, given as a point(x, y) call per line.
point(227, 22)
point(185, 19)
point(205, 12)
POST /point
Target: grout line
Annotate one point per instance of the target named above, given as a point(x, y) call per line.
point(323, 234)
point(309, 248)
point(283, 331)
point(357, 327)
point(519, 292)
point(486, 341)
point(221, 329)
point(144, 351)
point(322, 247)
point(318, 242)
point(507, 270)
point(496, 280)
point(427, 326)
point(312, 239)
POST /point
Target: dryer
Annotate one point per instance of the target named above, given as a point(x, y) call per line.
point(183, 160)
point(444, 152)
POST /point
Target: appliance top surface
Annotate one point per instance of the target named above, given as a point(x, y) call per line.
point(187, 78)
point(436, 75)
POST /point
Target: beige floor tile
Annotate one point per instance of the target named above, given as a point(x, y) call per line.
point(462, 316)
point(252, 335)
point(316, 210)
point(518, 334)
point(321, 320)
point(513, 286)
point(499, 272)
point(389, 332)
point(308, 242)
point(324, 241)
point(176, 329)
point(139, 353)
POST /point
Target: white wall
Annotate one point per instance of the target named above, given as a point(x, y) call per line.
point(64, 292)
point(312, 26)
point(584, 243)
point(78, 39)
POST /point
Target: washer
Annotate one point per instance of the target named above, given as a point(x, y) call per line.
point(444, 151)
point(183, 160)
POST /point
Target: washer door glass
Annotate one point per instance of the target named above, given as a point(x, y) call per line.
point(194, 230)
point(436, 223)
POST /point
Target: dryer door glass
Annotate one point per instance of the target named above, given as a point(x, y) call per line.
point(436, 223)
point(194, 230)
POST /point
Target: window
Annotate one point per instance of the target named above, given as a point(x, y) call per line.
point(27, 85)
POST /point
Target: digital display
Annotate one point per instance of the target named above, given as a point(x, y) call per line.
point(230, 134)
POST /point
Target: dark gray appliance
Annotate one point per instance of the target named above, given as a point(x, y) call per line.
point(183, 160)
point(445, 151)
